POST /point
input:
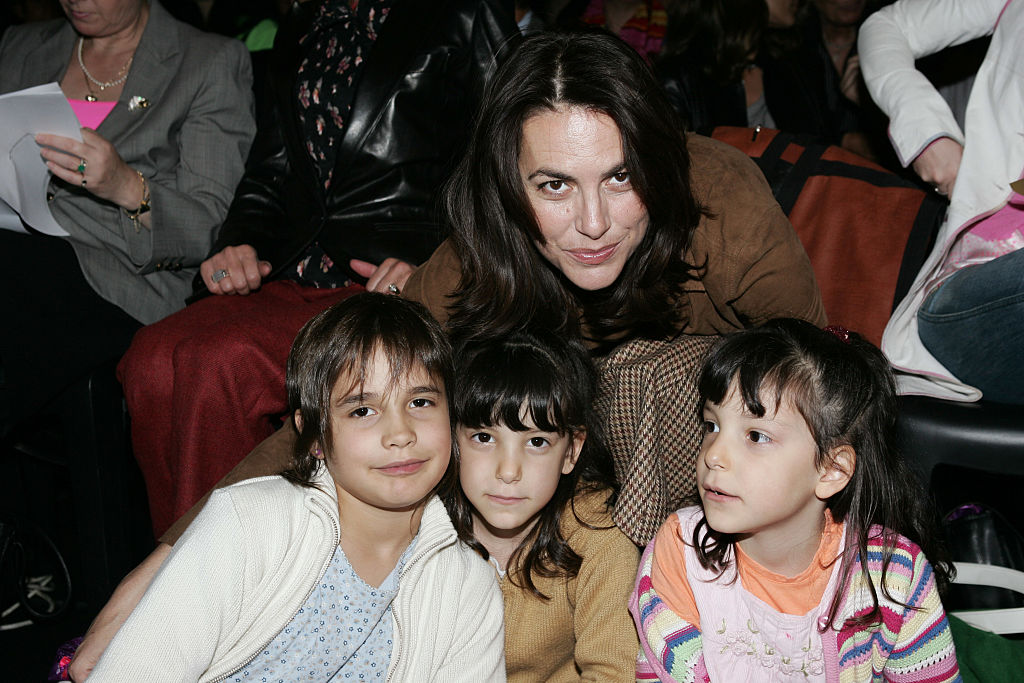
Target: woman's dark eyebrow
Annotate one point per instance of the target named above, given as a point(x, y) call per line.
point(558, 175)
point(551, 174)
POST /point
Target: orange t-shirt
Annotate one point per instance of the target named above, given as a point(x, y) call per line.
point(788, 595)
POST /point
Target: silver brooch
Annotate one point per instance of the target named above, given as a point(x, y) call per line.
point(138, 102)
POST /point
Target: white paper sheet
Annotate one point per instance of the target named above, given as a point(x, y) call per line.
point(24, 177)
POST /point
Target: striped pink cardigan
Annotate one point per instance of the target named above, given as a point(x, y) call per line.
point(910, 644)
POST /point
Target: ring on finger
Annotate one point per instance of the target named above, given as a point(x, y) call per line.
point(393, 288)
point(219, 275)
point(82, 163)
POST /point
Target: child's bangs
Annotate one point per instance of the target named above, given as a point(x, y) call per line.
point(402, 359)
point(763, 371)
point(514, 401)
point(403, 346)
point(514, 385)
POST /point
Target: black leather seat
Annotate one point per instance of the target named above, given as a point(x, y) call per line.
point(983, 436)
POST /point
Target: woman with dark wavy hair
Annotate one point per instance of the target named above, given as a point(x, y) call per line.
point(585, 85)
point(580, 200)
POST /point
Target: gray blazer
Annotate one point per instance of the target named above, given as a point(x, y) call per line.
point(190, 143)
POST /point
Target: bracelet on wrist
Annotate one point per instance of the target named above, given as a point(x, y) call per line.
point(143, 206)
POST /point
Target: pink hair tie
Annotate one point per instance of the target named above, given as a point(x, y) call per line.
point(840, 332)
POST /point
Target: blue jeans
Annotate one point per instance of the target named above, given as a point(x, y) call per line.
point(974, 325)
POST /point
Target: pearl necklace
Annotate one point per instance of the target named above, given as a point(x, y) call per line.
point(102, 85)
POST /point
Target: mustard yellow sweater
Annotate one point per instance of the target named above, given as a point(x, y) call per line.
point(584, 632)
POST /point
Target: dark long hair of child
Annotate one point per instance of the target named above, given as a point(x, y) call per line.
point(844, 388)
point(553, 376)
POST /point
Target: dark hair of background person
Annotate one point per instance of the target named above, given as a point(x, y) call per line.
point(505, 280)
point(846, 393)
point(548, 378)
point(717, 36)
point(342, 342)
point(15, 12)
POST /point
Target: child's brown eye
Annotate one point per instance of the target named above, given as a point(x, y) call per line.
point(539, 442)
point(481, 437)
point(710, 427)
point(361, 411)
point(758, 437)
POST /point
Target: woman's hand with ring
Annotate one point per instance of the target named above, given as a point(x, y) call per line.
point(390, 275)
point(95, 161)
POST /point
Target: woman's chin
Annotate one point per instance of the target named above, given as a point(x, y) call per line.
point(592, 279)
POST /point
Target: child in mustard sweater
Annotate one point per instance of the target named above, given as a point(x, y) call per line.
point(536, 496)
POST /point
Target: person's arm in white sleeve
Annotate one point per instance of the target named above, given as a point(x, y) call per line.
point(892, 39)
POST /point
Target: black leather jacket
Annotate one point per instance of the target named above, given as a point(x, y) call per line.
point(409, 122)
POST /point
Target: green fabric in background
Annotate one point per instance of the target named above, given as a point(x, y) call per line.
point(986, 657)
point(261, 36)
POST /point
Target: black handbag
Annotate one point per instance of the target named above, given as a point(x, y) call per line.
point(979, 534)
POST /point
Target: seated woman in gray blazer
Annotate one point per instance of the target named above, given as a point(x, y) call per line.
point(167, 122)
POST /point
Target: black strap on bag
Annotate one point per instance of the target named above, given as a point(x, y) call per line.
point(788, 179)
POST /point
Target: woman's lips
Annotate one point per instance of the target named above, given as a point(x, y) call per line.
point(594, 257)
point(404, 467)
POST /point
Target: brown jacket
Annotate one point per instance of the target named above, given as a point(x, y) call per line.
point(756, 269)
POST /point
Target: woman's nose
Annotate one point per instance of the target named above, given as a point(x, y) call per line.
point(593, 221)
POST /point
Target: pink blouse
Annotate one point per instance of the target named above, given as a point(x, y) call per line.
point(91, 114)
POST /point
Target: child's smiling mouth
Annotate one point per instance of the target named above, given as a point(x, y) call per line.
point(504, 500)
point(403, 467)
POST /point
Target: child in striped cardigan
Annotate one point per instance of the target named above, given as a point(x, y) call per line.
point(803, 560)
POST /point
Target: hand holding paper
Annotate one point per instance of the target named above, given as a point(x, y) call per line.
point(93, 160)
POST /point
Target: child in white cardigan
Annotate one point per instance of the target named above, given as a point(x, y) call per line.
point(347, 565)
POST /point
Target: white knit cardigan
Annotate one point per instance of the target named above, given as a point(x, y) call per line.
point(247, 564)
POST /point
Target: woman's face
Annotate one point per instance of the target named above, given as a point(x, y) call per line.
point(590, 217)
point(102, 18)
point(782, 13)
point(840, 12)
